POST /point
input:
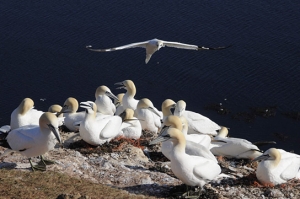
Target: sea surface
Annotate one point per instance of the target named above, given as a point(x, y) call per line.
point(43, 56)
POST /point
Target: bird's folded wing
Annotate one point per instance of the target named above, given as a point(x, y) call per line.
point(207, 170)
point(290, 168)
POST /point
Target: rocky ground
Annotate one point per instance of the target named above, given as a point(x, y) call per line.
point(141, 169)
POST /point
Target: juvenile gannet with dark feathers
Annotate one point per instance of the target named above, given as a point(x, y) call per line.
point(25, 114)
point(119, 104)
point(191, 170)
point(98, 131)
point(277, 166)
point(103, 101)
point(33, 140)
point(233, 147)
point(154, 45)
point(131, 126)
point(197, 122)
point(148, 115)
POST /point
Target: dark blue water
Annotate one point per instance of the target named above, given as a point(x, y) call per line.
point(43, 55)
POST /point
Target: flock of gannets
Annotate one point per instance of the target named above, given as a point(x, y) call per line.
point(187, 137)
point(154, 45)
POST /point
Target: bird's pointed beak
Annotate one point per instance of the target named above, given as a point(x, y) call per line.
point(262, 157)
point(111, 95)
point(64, 110)
point(55, 132)
point(121, 85)
point(154, 111)
point(162, 137)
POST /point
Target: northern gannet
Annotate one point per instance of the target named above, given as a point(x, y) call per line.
point(191, 147)
point(148, 116)
point(154, 45)
point(119, 105)
point(25, 114)
point(33, 140)
point(202, 139)
point(98, 131)
point(233, 147)
point(191, 170)
point(103, 101)
point(131, 126)
point(56, 109)
point(197, 122)
point(72, 117)
point(128, 100)
point(277, 166)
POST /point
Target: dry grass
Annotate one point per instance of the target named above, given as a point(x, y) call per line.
point(20, 184)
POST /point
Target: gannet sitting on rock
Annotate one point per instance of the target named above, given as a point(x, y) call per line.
point(191, 148)
point(233, 147)
point(25, 114)
point(98, 131)
point(33, 140)
point(148, 116)
point(131, 126)
point(103, 101)
point(191, 170)
point(277, 166)
point(197, 122)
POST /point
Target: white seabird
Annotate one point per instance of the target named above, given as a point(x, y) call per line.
point(25, 114)
point(72, 117)
point(154, 45)
point(191, 147)
point(98, 131)
point(197, 122)
point(148, 116)
point(233, 147)
point(103, 101)
point(33, 140)
point(191, 170)
point(119, 104)
point(56, 109)
point(202, 139)
point(277, 166)
point(128, 100)
point(131, 126)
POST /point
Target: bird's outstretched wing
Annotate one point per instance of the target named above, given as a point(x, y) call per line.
point(133, 45)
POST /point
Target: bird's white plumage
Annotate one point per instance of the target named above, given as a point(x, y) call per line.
point(98, 131)
point(154, 45)
point(103, 101)
point(233, 147)
point(35, 140)
point(277, 166)
point(131, 126)
point(197, 122)
point(25, 114)
point(128, 99)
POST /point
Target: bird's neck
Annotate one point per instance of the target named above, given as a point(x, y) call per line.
point(131, 90)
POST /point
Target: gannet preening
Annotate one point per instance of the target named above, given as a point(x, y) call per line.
point(128, 100)
point(119, 105)
point(98, 131)
point(72, 117)
point(56, 109)
point(202, 139)
point(197, 122)
point(131, 126)
point(148, 116)
point(33, 140)
point(277, 166)
point(103, 101)
point(25, 114)
point(154, 45)
point(191, 147)
point(233, 147)
point(192, 170)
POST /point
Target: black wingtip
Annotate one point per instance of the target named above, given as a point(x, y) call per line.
point(211, 48)
point(262, 143)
